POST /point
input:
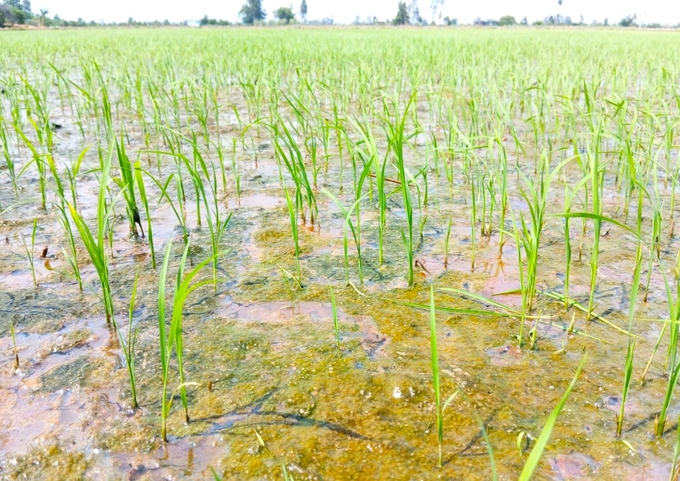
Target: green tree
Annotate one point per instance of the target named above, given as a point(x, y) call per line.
point(402, 15)
point(19, 16)
point(303, 10)
point(284, 14)
point(506, 20)
point(628, 21)
point(252, 11)
point(43, 16)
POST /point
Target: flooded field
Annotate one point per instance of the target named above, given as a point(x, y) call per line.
point(339, 254)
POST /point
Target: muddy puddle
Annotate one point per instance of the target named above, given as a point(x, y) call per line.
point(270, 387)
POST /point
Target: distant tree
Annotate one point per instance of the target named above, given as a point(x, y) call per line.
point(252, 11)
point(14, 11)
point(507, 20)
point(628, 21)
point(436, 6)
point(284, 14)
point(414, 12)
point(43, 15)
point(450, 21)
point(2, 19)
point(402, 17)
point(212, 21)
point(303, 10)
point(606, 22)
point(524, 21)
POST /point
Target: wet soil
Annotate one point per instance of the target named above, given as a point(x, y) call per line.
point(262, 351)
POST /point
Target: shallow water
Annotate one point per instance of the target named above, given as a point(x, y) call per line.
point(263, 351)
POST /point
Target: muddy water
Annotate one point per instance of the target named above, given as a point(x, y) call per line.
point(263, 354)
point(264, 357)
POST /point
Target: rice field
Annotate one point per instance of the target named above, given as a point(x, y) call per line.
point(339, 253)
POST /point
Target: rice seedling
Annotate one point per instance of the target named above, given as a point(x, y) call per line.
point(597, 181)
point(126, 182)
point(284, 470)
point(96, 248)
point(72, 254)
point(473, 218)
point(447, 237)
point(128, 345)
point(334, 313)
point(523, 282)
point(502, 175)
point(39, 164)
point(347, 214)
point(535, 195)
point(30, 251)
point(484, 435)
point(6, 154)
point(292, 216)
point(568, 199)
point(368, 148)
point(655, 241)
point(672, 362)
point(14, 345)
point(289, 155)
point(72, 173)
point(143, 198)
point(542, 441)
point(235, 171)
point(170, 337)
point(434, 361)
point(216, 224)
point(395, 132)
point(630, 351)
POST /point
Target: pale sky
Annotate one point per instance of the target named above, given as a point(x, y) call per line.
point(345, 11)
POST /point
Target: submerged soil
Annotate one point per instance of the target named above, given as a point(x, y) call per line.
point(262, 351)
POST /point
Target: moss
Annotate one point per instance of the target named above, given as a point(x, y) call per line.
point(67, 341)
point(75, 374)
point(50, 461)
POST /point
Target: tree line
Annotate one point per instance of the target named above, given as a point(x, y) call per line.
point(18, 12)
